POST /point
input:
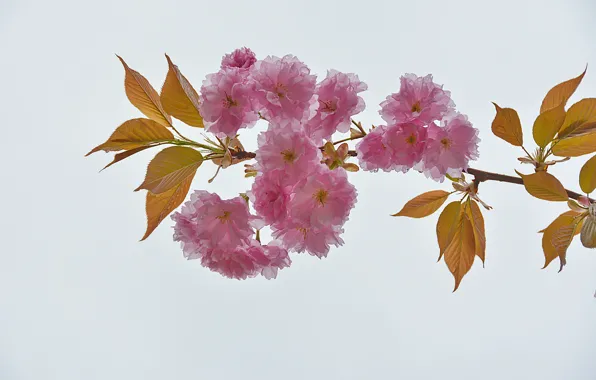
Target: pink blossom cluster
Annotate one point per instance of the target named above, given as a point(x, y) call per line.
point(277, 89)
point(423, 132)
point(295, 193)
point(304, 202)
point(220, 234)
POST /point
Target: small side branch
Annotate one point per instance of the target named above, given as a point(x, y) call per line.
point(482, 176)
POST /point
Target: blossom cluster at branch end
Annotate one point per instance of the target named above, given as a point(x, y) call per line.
point(424, 132)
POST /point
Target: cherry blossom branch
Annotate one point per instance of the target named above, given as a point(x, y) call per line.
point(479, 175)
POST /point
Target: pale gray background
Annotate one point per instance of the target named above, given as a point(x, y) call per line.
point(80, 298)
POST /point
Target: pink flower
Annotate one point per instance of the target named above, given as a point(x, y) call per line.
point(449, 149)
point(323, 198)
point(238, 263)
point(315, 241)
point(406, 142)
point(286, 147)
point(207, 221)
point(227, 102)
point(419, 100)
point(247, 260)
point(338, 102)
point(319, 206)
point(277, 258)
point(373, 154)
point(242, 58)
point(284, 87)
point(270, 195)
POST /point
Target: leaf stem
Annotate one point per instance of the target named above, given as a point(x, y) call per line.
point(181, 135)
point(347, 139)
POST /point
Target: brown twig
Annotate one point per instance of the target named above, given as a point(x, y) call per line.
point(479, 175)
point(482, 176)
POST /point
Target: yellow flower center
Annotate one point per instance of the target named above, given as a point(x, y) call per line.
point(446, 143)
point(303, 231)
point(411, 139)
point(281, 90)
point(229, 102)
point(288, 156)
point(416, 107)
point(321, 196)
point(225, 217)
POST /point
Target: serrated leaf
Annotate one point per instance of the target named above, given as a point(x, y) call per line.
point(424, 204)
point(547, 125)
point(587, 176)
point(562, 238)
point(477, 220)
point(550, 251)
point(575, 146)
point(143, 96)
point(133, 134)
point(588, 232)
point(459, 254)
point(179, 98)
point(507, 126)
point(170, 167)
point(159, 206)
point(447, 224)
point(561, 93)
point(122, 155)
point(543, 185)
point(580, 117)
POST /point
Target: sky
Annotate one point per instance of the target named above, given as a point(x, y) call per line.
point(81, 298)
